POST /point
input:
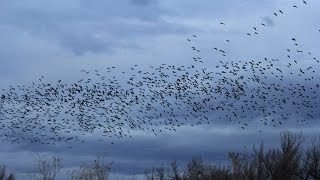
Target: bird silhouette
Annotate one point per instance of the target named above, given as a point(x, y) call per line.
point(162, 98)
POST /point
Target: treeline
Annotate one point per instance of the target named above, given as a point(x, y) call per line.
point(48, 168)
point(292, 160)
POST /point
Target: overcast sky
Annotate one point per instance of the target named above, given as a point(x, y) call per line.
point(57, 39)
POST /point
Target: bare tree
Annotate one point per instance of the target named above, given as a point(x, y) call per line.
point(85, 172)
point(102, 170)
point(3, 174)
point(99, 170)
point(217, 172)
point(312, 160)
point(161, 172)
point(49, 168)
point(174, 174)
point(260, 170)
point(195, 169)
point(150, 174)
point(290, 161)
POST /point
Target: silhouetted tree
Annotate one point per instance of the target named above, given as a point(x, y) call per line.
point(3, 174)
point(48, 169)
point(312, 160)
point(174, 172)
point(98, 171)
point(288, 162)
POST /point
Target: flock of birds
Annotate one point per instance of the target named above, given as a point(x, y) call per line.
point(164, 98)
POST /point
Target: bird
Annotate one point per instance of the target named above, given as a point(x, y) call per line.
point(162, 98)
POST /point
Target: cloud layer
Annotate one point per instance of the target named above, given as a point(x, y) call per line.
point(58, 39)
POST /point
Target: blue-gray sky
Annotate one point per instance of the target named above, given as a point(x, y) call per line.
point(58, 38)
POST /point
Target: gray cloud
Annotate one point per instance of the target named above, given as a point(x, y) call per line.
point(143, 2)
point(268, 21)
point(59, 38)
point(86, 26)
point(132, 156)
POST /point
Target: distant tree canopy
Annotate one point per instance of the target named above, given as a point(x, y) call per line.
point(291, 161)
